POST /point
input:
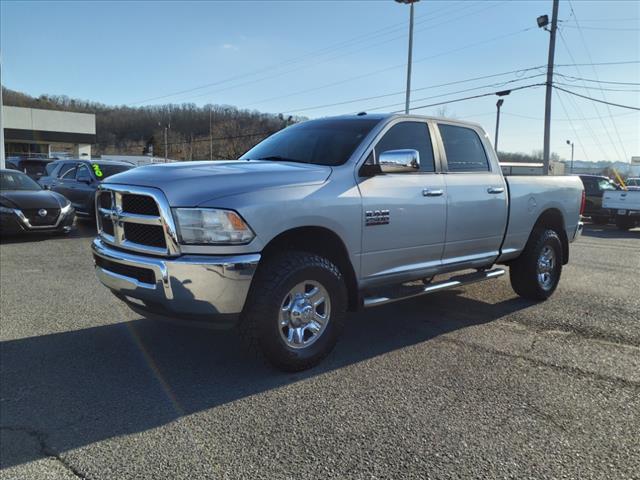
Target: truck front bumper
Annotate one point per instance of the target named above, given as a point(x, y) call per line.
point(190, 287)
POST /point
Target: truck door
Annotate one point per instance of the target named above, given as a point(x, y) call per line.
point(404, 233)
point(476, 198)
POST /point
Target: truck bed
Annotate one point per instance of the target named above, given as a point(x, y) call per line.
point(529, 196)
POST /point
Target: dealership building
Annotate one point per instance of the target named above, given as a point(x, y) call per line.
point(33, 131)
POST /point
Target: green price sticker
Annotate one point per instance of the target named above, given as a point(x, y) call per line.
point(96, 170)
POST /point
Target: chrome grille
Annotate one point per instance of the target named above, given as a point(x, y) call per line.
point(137, 219)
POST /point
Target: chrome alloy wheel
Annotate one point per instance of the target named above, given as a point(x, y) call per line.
point(546, 267)
point(304, 314)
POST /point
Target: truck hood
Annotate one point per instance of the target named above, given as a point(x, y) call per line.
point(189, 184)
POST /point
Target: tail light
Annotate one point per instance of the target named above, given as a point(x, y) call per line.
point(583, 202)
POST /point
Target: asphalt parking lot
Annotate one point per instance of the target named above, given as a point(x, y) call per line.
point(468, 383)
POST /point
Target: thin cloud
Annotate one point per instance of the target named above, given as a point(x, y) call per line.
point(229, 46)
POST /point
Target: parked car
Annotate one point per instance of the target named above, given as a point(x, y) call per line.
point(35, 167)
point(26, 207)
point(327, 216)
point(594, 188)
point(633, 183)
point(626, 205)
point(78, 180)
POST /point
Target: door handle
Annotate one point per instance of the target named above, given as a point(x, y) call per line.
point(495, 189)
point(432, 193)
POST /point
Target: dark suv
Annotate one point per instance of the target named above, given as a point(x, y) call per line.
point(594, 188)
point(78, 180)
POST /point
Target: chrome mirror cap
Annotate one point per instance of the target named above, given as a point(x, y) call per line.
point(397, 161)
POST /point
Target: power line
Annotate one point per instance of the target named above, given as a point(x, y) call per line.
point(610, 29)
point(575, 132)
point(500, 84)
point(595, 81)
point(375, 72)
point(472, 97)
point(595, 72)
point(628, 62)
point(597, 100)
point(600, 88)
point(413, 90)
point(595, 108)
point(287, 95)
point(560, 120)
point(337, 46)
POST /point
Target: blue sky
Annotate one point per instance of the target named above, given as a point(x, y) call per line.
point(294, 57)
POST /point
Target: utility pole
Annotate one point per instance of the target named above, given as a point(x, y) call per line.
point(210, 136)
point(547, 104)
point(408, 94)
point(166, 143)
point(2, 159)
point(498, 105)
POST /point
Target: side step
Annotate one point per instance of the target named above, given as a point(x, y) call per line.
point(452, 282)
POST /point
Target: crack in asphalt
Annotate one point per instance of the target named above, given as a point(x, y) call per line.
point(45, 450)
point(562, 368)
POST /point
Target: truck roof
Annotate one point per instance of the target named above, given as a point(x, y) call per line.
point(387, 116)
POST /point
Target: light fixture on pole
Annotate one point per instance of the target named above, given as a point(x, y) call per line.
point(499, 103)
point(408, 94)
point(569, 142)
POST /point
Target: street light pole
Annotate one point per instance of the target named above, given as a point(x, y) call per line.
point(569, 142)
point(409, 57)
point(498, 105)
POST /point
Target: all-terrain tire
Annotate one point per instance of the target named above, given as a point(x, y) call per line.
point(624, 223)
point(262, 315)
point(527, 279)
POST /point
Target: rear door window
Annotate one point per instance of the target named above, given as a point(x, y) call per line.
point(65, 168)
point(69, 174)
point(463, 149)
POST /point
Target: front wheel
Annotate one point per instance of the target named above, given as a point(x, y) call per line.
point(536, 273)
point(295, 310)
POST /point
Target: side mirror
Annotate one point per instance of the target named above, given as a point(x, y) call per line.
point(398, 161)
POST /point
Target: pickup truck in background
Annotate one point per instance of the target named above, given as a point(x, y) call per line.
point(329, 216)
point(625, 205)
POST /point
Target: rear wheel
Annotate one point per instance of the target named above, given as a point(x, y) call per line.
point(624, 222)
point(536, 273)
point(295, 310)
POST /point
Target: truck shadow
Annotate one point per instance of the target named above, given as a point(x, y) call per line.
point(609, 231)
point(68, 390)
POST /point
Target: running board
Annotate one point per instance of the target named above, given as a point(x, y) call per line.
point(436, 287)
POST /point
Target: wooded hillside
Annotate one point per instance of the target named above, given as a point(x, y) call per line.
point(131, 130)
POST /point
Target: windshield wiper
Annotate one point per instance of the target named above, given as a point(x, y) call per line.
point(280, 158)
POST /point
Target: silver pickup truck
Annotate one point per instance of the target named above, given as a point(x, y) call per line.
point(324, 217)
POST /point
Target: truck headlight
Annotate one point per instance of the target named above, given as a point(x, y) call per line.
point(211, 226)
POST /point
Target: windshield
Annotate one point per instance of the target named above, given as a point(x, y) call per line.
point(633, 182)
point(323, 142)
point(105, 170)
point(17, 181)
